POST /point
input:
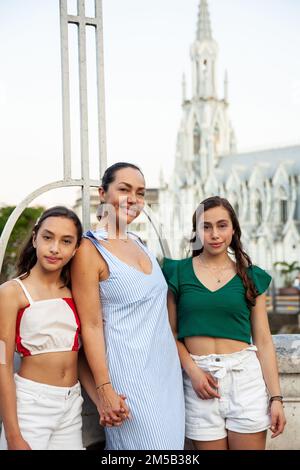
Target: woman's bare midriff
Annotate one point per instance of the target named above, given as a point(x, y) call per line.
point(204, 345)
point(55, 368)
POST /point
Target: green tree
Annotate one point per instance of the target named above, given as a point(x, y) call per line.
point(287, 270)
point(18, 237)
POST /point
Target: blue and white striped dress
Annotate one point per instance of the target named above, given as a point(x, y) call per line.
point(141, 353)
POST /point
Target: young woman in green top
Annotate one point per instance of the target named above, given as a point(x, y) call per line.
point(217, 311)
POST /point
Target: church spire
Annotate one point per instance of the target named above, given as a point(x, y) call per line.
point(203, 26)
point(204, 53)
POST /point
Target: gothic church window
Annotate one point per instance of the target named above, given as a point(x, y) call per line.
point(197, 139)
point(234, 201)
point(236, 208)
point(197, 77)
point(259, 211)
point(283, 211)
point(216, 138)
point(282, 205)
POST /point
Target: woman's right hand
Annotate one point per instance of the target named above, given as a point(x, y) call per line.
point(112, 407)
point(17, 443)
point(205, 385)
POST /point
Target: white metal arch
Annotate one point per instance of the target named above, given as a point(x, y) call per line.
point(85, 182)
point(22, 205)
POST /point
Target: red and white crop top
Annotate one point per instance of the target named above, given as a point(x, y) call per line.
point(45, 326)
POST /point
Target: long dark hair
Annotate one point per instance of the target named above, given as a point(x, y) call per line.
point(243, 260)
point(27, 258)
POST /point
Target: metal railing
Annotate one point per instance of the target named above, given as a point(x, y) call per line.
point(84, 182)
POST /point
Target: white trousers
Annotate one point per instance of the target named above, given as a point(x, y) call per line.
point(49, 417)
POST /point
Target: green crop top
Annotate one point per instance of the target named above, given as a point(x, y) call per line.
point(220, 314)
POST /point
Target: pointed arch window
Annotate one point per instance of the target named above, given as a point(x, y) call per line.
point(283, 211)
point(283, 206)
point(197, 139)
point(216, 138)
point(234, 201)
point(259, 211)
point(197, 77)
point(236, 208)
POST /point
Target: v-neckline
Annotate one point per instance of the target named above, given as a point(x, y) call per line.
point(123, 262)
point(203, 285)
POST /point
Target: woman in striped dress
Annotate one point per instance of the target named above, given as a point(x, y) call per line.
point(126, 335)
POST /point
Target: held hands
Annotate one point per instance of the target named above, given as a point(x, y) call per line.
point(112, 407)
point(205, 385)
point(278, 420)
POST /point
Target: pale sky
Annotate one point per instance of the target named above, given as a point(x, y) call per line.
point(146, 52)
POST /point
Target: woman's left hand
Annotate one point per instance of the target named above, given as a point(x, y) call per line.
point(278, 420)
point(112, 408)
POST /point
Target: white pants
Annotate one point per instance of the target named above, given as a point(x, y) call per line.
point(243, 406)
point(49, 417)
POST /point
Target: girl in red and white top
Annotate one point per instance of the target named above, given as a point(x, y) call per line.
point(41, 404)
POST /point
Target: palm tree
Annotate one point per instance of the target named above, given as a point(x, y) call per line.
point(287, 271)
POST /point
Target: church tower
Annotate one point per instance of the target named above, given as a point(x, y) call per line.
point(204, 136)
point(204, 53)
point(261, 186)
point(205, 132)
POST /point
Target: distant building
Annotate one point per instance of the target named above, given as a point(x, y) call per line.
point(94, 202)
point(262, 186)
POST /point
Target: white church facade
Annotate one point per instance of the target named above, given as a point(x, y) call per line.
point(263, 187)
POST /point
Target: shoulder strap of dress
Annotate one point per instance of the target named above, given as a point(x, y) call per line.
point(96, 235)
point(107, 255)
point(29, 298)
point(136, 237)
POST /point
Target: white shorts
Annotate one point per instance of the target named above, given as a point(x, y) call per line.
point(49, 417)
point(243, 406)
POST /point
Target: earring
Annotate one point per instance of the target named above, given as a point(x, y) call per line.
point(99, 211)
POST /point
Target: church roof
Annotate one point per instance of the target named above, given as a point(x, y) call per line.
point(267, 160)
point(203, 26)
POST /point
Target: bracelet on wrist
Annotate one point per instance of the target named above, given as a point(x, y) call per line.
point(276, 398)
point(102, 385)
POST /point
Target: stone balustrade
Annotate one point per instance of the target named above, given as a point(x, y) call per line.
point(288, 356)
